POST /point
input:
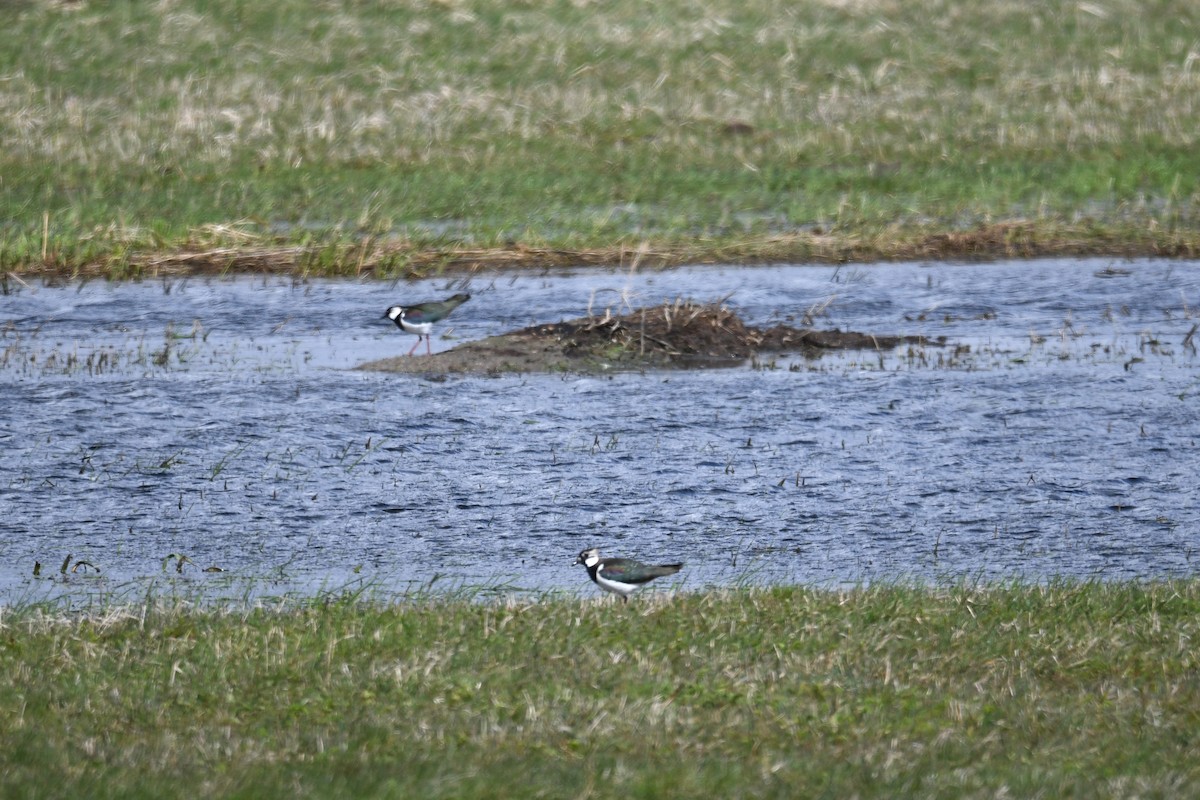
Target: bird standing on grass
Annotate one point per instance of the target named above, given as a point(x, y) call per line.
point(419, 318)
point(622, 576)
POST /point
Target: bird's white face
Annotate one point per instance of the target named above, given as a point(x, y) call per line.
point(589, 558)
point(395, 311)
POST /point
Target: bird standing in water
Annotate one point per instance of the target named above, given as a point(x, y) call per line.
point(419, 318)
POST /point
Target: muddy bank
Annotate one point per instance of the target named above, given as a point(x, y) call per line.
point(678, 335)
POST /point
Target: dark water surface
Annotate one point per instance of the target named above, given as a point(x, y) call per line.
point(222, 419)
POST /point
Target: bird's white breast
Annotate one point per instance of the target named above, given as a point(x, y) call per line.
point(419, 328)
point(623, 589)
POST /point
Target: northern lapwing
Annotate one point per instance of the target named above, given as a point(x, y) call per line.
point(622, 576)
point(419, 318)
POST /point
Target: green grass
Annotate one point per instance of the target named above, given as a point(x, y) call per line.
point(715, 127)
point(1070, 689)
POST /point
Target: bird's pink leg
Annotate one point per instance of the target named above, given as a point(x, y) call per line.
point(428, 350)
point(415, 346)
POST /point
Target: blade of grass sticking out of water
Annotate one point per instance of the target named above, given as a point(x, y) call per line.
point(220, 466)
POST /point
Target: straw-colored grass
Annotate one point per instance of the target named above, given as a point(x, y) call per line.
point(447, 127)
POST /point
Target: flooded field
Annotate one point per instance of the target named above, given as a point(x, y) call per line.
point(223, 420)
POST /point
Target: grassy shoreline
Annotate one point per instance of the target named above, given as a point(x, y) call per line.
point(399, 259)
point(404, 140)
point(1070, 688)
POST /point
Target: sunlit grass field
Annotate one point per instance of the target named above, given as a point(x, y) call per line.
point(387, 136)
point(1063, 690)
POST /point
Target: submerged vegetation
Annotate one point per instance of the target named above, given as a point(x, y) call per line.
point(1065, 689)
point(384, 139)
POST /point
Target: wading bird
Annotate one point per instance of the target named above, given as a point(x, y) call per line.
point(419, 318)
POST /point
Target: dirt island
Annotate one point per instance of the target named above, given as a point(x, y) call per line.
point(682, 334)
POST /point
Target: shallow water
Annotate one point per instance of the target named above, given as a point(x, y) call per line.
point(221, 419)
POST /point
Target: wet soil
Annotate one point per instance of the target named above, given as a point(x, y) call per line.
point(678, 335)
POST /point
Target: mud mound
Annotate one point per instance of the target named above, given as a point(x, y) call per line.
point(682, 334)
point(690, 330)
